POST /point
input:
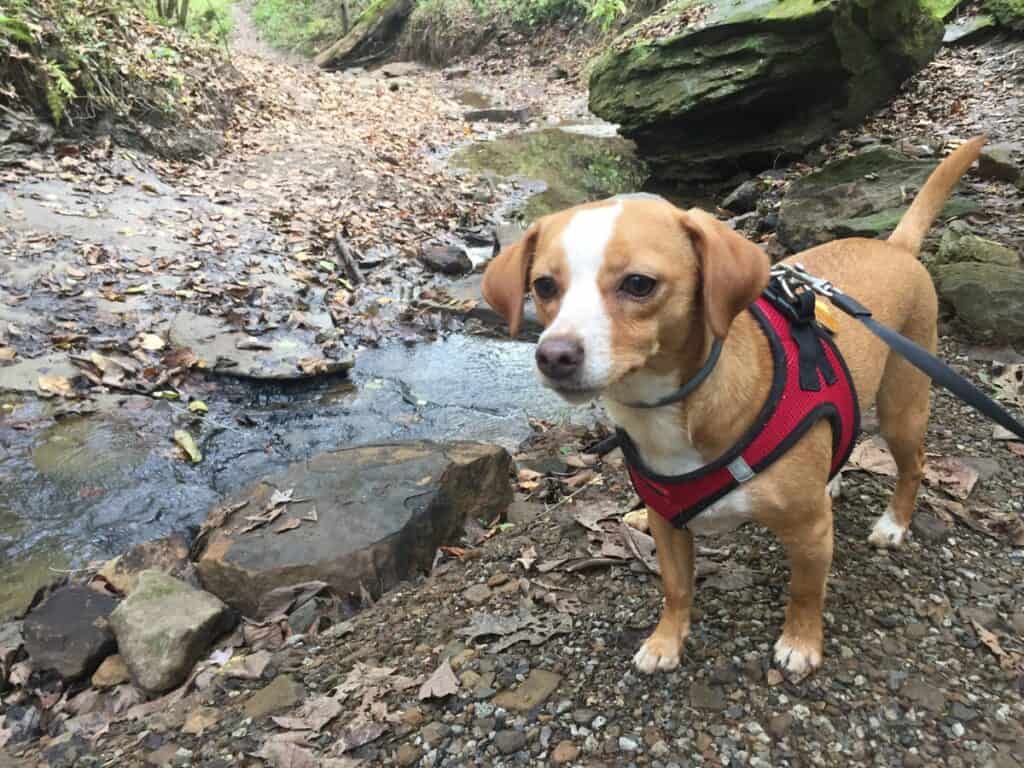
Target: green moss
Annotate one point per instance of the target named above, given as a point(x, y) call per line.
point(940, 9)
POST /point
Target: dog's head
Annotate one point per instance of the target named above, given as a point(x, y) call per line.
point(624, 287)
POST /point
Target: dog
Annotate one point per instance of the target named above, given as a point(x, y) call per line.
point(634, 293)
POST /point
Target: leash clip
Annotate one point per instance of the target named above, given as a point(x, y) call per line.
point(792, 276)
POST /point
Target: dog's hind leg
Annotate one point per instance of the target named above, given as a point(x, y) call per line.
point(903, 408)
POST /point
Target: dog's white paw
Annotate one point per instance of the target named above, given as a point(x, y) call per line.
point(796, 658)
point(657, 654)
point(887, 533)
point(835, 487)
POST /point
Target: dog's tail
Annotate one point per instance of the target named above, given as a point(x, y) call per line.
point(929, 201)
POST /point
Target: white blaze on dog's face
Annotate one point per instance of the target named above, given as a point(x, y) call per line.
point(626, 290)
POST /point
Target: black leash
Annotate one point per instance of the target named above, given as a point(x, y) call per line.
point(920, 358)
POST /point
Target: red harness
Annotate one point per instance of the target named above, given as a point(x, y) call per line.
point(810, 382)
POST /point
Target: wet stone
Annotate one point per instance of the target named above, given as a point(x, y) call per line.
point(996, 162)
point(478, 594)
point(498, 115)
point(420, 495)
point(169, 555)
point(744, 198)
point(68, 632)
point(446, 259)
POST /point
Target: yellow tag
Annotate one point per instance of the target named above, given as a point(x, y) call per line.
point(825, 314)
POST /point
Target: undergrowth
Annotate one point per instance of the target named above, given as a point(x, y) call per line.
point(305, 26)
point(1009, 13)
point(77, 62)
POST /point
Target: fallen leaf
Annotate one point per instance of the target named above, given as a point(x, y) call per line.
point(1017, 448)
point(248, 667)
point(440, 684)
point(151, 342)
point(527, 557)
point(200, 719)
point(637, 519)
point(313, 715)
point(871, 457)
point(357, 733)
point(283, 754)
point(279, 497)
point(6, 354)
point(198, 406)
point(592, 514)
point(288, 525)
point(56, 385)
point(581, 478)
point(955, 476)
point(188, 445)
point(989, 639)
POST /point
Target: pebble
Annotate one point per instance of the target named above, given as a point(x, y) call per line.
point(434, 733)
point(407, 755)
point(565, 752)
point(509, 741)
point(478, 594)
point(627, 744)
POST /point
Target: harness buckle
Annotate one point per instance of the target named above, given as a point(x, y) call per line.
point(793, 276)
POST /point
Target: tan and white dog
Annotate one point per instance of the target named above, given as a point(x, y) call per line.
point(632, 293)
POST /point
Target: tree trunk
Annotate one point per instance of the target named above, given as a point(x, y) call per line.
point(344, 17)
point(183, 13)
point(373, 34)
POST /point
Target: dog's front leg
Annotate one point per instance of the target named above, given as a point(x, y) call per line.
point(809, 550)
point(675, 558)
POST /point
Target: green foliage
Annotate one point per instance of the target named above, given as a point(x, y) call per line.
point(304, 25)
point(1009, 13)
point(606, 12)
point(78, 60)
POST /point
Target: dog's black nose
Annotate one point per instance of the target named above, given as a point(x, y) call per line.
point(560, 357)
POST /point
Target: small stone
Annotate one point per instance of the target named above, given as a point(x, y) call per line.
point(584, 716)
point(111, 672)
point(564, 752)
point(282, 693)
point(497, 580)
point(928, 696)
point(773, 677)
point(532, 692)
point(434, 733)
point(447, 259)
point(509, 741)
point(778, 726)
point(68, 633)
point(660, 749)
point(916, 631)
point(963, 712)
point(478, 594)
point(744, 198)
point(627, 744)
point(703, 742)
point(407, 755)
point(958, 729)
point(703, 696)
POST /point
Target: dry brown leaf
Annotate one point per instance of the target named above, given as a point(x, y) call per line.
point(288, 525)
point(1017, 448)
point(440, 684)
point(6, 354)
point(953, 475)
point(56, 385)
point(871, 457)
point(151, 342)
point(313, 715)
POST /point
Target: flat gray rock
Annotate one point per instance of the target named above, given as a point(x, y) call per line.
point(858, 196)
point(67, 633)
point(276, 356)
point(380, 514)
point(23, 376)
point(471, 303)
point(164, 627)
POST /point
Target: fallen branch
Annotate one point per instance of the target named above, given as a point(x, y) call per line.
point(349, 260)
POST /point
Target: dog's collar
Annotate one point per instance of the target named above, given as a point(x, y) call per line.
point(689, 387)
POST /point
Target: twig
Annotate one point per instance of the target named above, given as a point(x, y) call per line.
point(562, 501)
point(347, 257)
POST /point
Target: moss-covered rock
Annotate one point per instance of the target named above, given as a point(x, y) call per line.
point(987, 298)
point(864, 195)
point(960, 245)
point(708, 87)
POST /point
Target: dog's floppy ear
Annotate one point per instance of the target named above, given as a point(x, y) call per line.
point(505, 279)
point(734, 271)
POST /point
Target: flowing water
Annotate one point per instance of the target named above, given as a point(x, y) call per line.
point(86, 486)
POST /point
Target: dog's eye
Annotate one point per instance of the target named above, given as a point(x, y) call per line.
point(638, 286)
point(545, 287)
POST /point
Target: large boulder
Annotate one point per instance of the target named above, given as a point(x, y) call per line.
point(370, 517)
point(987, 298)
point(709, 87)
point(864, 195)
point(163, 628)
